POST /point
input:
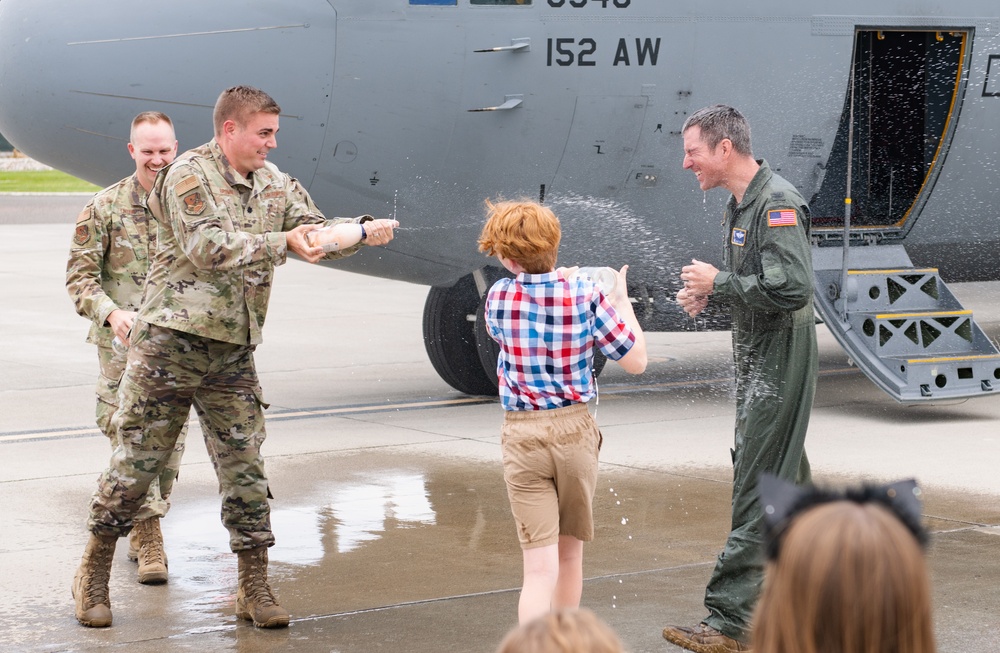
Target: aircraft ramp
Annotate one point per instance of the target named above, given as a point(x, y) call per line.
point(902, 326)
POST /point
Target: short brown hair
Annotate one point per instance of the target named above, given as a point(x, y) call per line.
point(849, 577)
point(151, 117)
point(240, 102)
point(720, 121)
point(523, 231)
point(563, 631)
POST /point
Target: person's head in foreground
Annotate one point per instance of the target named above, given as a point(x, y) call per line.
point(563, 631)
point(521, 232)
point(846, 571)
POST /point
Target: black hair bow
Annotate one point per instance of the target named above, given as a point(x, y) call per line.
point(781, 501)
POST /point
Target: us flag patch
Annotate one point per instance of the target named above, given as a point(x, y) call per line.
point(781, 218)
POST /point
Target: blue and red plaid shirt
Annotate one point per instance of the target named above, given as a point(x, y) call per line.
point(547, 328)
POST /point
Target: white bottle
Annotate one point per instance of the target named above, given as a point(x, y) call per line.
point(604, 278)
point(335, 237)
point(120, 347)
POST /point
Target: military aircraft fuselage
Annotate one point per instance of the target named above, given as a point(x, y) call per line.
point(421, 109)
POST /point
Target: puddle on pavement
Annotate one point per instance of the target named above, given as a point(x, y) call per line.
point(361, 531)
point(371, 530)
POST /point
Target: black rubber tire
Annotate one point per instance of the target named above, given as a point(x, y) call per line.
point(489, 349)
point(450, 338)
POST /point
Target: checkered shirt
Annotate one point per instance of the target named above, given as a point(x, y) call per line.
point(547, 328)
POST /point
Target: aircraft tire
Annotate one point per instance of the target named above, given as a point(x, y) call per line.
point(450, 338)
point(488, 348)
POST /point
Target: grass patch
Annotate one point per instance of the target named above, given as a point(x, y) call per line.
point(43, 181)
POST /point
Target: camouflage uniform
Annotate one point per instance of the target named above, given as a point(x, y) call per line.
point(768, 285)
point(220, 239)
point(108, 261)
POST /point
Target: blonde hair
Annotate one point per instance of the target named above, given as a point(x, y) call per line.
point(563, 631)
point(238, 103)
point(849, 578)
point(151, 117)
point(523, 231)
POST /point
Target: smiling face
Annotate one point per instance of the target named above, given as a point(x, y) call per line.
point(153, 146)
point(246, 145)
point(707, 164)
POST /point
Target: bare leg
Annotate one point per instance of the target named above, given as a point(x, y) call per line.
point(541, 572)
point(569, 587)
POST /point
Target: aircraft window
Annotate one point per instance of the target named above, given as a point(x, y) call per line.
point(434, 2)
point(501, 2)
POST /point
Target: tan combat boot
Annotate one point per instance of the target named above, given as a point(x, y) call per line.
point(254, 599)
point(90, 585)
point(145, 546)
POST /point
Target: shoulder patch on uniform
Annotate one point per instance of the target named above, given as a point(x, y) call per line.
point(82, 235)
point(185, 185)
point(194, 204)
point(782, 218)
point(778, 195)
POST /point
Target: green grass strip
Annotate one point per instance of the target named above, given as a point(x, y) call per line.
point(43, 181)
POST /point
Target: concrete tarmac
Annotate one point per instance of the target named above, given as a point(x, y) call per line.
point(392, 522)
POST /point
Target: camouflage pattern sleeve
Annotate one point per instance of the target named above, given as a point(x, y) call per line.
point(85, 265)
point(302, 210)
point(208, 223)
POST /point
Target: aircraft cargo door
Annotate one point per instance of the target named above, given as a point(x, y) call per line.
point(906, 98)
point(602, 142)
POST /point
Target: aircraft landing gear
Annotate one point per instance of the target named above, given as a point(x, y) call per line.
point(450, 328)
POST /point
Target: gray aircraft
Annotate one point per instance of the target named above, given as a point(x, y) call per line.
point(421, 109)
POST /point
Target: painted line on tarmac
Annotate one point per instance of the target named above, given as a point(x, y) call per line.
point(56, 434)
point(377, 408)
point(620, 388)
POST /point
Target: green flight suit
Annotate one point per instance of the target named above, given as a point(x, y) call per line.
point(768, 285)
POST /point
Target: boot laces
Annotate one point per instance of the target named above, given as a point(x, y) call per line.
point(257, 589)
point(152, 550)
point(100, 576)
point(260, 592)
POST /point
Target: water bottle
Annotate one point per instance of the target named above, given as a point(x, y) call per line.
point(120, 347)
point(604, 278)
point(335, 237)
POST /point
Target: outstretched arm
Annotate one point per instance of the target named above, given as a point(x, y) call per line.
point(633, 362)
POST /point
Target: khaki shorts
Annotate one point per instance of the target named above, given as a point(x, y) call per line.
point(550, 466)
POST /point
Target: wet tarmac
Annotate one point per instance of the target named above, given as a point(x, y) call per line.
point(392, 523)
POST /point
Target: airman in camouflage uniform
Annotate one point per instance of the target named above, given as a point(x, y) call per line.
point(107, 267)
point(768, 285)
point(226, 217)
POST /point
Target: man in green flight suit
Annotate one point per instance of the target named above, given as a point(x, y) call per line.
point(767, 284)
